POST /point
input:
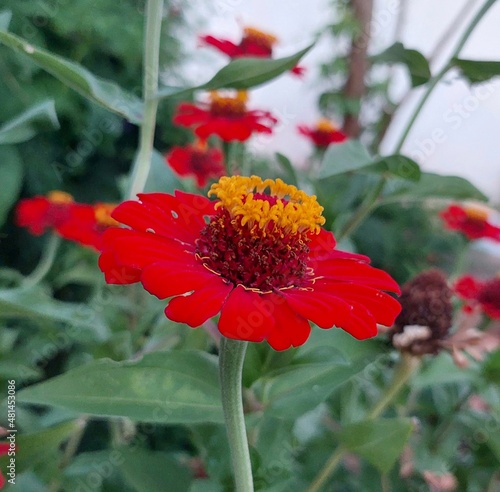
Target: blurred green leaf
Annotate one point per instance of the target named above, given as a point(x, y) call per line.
point(5, 17)
point(397, 165)
point(149, 471)
point(101, 91)
point(169, 387)
point(11, 177)
point(433, 185)
point(303, 386)
point(491, 367)
point(477, 71)
point(348, 156)
point(241, 74)
point(417, 64)
point(288, 168)
point(34, 303)
point(378, 441)
point(40, 117)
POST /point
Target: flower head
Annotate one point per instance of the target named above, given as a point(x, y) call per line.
point(254, 43)
point(44, 212)
point(323, 133)
point(258, 256)
point(426, 316)
point(197, 160)
point(471, 220)
point(483, 293)
point(224, 116)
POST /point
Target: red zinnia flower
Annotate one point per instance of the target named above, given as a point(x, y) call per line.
point(224, 116)
point(254, 43)
point(41, 213)
point(88, 223)
point(323, 134)
point(258, 257)
point(470, 220)
point(485, 293)
point(197, 160)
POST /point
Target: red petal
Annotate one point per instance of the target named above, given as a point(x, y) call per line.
point(115, 273)
point(290, 329)
point(246, 315)
point(201, 305)
point(223, 45)
point(226, 130)
point(172, 278)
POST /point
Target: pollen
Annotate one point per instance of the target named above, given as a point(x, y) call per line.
point(259, 37)
point(102, 214)
point(222, 105)
point(325, 126)
point(476, 212)
point(59, 197)
point(269, 205)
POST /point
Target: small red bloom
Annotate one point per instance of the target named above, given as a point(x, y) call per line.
point(41, 213)
point(254, 43)
point(259, 259)
point(323, 134)
point(197, 160)
point(4, 449)
point(224, 116)
point(471, 221)
point(484, 293)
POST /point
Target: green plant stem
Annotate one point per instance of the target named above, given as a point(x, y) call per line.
point(231, 358)
point(402, 373)
point(142, 163)
point(437, 78)
point(363, 211)
point(45, 263)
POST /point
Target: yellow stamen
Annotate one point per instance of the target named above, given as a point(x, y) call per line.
point(260, 37)
point(324, 125)
point(293, 210)
point(476, 212)
point(102, 214)
point(200, 145)
point(59, 197)
point(224, 104)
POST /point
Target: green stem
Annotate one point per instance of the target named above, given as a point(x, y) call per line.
point(436, 79)
point(363, 211)
point(231, 357)
point(45, 263)
point(142, 163)
point(402, 374)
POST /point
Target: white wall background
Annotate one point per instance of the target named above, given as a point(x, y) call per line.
point(458, 131)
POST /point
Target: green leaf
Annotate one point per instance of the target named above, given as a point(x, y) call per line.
point(348, 156)
point(11, 177)
point(241, 74)
point(288, 168)
point(491, 368)
point(100, 91)
point(380, 442)
point(433, 185)
point(5, 18)
point(417, 64)
point(301, 387)
point(397, 165)
point(149, 471)
point(477, 71)
point(34, 303)
point(170, 387)
point(40, 117)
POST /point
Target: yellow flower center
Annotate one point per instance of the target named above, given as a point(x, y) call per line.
point(59, 197)
point(324, 125)
point(102, 214)
point(475, 212)
point(259, 37)
point(283, 206)
point(228, 105)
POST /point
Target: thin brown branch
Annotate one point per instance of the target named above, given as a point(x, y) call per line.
point(355, 86)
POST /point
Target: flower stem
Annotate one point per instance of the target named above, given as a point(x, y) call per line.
point(142, 163)
point(437, 78)
point(402, 374)
point(45, 263)
point(231, 357)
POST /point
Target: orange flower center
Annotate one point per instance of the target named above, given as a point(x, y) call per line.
point(264, 39)
point(102, 214)
point(227, 105)
point(325, 126)
point(59, 197)
point(476, 213)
